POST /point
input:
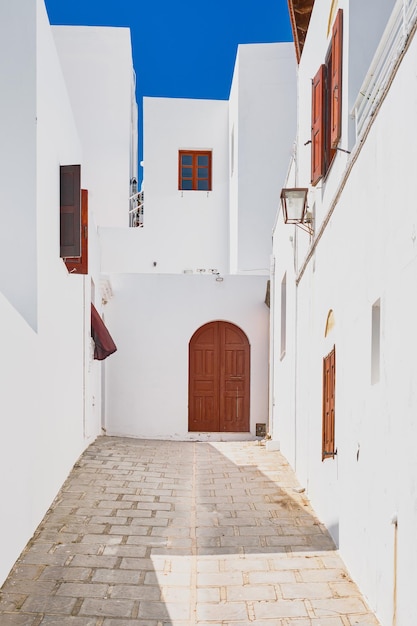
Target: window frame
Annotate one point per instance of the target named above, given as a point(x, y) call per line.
point(195, 178)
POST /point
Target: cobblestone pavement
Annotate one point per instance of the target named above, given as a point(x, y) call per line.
point(158, 533)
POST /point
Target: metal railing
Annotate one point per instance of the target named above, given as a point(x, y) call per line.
point(136, 210)
point(392, 44)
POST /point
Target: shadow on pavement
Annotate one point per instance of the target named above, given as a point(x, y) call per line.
point(143, 531)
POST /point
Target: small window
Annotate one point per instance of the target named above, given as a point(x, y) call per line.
point(376, 342)
point(283, 315)
point(326, 109)
point(329, 388)
point(194, 170)
point(232, 152)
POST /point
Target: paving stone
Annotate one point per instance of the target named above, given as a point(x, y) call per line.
point(176, 579)
point(205, 579)
point(305, 590)
point(133, 622)
point(209, 594)
point(116, 576)
point(28, 586)
point(48, 604)
point(87, 560)
point(18, 620)
point(222, 611)
point(137, 592)
point(52, 620)
point(164, 610)
point(82, 590)
point(125, 550)
point(338, 605)
point(249, 593)
point(107, 607)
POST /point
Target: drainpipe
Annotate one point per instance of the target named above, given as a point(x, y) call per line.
point(270, 429)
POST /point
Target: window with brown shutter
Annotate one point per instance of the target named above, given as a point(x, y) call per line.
point(79, 265)
point(336, 81)
point(318, 125)
point(329, 388)
point(70, 211)
point(326, 107)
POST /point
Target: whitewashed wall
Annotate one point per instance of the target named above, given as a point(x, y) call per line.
point(262, 118)
point(283, 321)
point(97, 64)
point(153, 312)
point(33, 428)
point(49, 383)
point(367, 253)
point(153, 319)
point(18, 270)
point(182, 229)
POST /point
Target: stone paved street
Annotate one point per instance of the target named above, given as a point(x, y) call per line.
point(158, 533)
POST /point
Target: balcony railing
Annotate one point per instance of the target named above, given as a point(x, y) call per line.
point(390, 48)
point(136, 210)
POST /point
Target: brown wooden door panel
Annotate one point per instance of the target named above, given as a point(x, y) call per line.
point(204, 362)
point(204, 413)
point(219, 379)
point(329, 380)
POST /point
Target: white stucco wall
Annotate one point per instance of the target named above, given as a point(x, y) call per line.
point(50, 388)
point(283, 319)
point(153, 319)
point(154, 313)
point(182, 229)
point(97, 65)
point(367, 253)
point(18, 270)
point(263, 115)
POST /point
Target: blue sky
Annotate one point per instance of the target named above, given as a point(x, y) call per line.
point(182, 49)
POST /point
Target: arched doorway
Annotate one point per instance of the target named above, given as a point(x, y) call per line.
point(219, 379)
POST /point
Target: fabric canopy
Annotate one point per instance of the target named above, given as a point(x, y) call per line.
point(104, 345)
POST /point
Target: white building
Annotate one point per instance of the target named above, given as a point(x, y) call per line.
point(189, 285)
point(50, 387)
point(343, 297)
point(183, 294)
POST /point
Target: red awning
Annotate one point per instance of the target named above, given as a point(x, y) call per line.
point(104, 345)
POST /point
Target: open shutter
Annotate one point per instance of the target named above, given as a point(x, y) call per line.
point(317, 125)
point(70, 211)
point(79, 265)
point(329, 387)
point(336, 81)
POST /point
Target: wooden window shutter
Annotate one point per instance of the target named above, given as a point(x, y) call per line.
point(329, 387)
point(79, 265)
point(318, 125)
point(70, 211)
point(336, 81)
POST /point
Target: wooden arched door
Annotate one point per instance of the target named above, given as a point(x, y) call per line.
point(219, 379)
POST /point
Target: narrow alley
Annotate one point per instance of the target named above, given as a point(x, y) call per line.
point(158, 533)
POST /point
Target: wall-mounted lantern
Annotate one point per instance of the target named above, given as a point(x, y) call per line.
point(294, 208)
